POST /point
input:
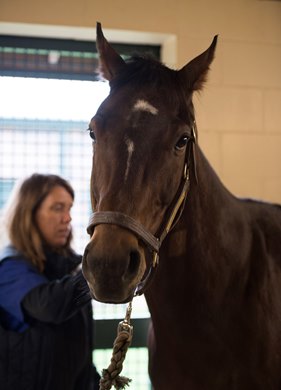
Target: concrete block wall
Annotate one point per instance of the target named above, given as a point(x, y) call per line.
point(239, 112)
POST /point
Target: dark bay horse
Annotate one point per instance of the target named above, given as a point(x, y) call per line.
point(163, 224)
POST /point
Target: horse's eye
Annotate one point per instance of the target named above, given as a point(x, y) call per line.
point(181, 142)
point(92, 134)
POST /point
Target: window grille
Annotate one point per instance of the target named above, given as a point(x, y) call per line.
point(57, 58)
point(34, 141)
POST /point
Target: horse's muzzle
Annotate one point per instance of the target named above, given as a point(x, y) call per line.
point(113, 264)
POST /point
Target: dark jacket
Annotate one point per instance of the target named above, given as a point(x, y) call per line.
point(46, 325)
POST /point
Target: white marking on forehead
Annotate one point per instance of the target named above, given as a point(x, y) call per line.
point(130, 148)
point(143, 105)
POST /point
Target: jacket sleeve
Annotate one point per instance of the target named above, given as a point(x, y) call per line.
point(17, 278)
point(57, 301)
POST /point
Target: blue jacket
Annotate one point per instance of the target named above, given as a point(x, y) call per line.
point(46, 325)
point(17, 278)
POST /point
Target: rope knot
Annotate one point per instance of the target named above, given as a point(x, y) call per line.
point(110, 376)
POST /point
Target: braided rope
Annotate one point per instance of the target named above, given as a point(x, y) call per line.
point(110, 376)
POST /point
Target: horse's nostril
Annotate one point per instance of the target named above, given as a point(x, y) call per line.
point(90, 230)
point(134, 263)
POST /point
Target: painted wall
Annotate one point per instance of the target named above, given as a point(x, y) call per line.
point(239, 112)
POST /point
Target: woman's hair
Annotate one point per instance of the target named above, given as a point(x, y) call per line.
point(21, 225)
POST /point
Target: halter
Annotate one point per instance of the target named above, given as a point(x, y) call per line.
point(152, 242)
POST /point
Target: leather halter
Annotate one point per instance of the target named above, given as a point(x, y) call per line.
point(152, 242)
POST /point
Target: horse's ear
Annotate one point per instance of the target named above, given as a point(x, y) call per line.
point(195, 72)
point(110, 61)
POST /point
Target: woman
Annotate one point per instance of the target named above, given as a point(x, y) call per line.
point(45, 310)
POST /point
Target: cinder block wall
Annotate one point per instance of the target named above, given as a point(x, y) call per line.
point(239, 112)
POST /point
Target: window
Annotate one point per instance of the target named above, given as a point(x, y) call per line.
point(6, 186)
point(49, 92)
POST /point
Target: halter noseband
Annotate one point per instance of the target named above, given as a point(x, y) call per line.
point(153, 242)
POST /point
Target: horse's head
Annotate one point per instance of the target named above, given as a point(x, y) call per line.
point(142, 139)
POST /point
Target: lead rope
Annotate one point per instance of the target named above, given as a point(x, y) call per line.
point(110, 376)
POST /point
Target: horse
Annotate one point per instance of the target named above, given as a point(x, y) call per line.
point(208, 262)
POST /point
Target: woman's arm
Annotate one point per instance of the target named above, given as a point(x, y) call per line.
point(56, 301)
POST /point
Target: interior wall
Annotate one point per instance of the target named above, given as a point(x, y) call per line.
point(239, 112)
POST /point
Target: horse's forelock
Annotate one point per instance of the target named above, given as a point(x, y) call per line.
point(141, 72)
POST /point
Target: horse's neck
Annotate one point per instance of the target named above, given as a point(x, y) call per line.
point(191, 259)
point(208, 205)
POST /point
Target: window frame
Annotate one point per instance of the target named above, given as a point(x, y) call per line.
point(167, 41)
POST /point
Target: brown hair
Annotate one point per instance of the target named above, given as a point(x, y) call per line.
point(22, 229)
